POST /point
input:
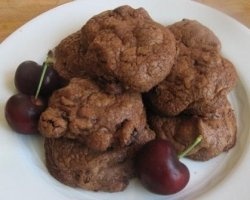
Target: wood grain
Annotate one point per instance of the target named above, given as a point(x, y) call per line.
point(15, 13)
point(240, 10)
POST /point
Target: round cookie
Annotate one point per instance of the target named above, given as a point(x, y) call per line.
point(218, 132)
point(200, 77)
point(82, 111)
point(73, 164)
point(126, 48)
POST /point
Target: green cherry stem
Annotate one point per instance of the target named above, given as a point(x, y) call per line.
point(49, 60)
point(190, 148)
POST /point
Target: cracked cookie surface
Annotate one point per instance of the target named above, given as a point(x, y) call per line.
point(126, 48)
point(200, 78)
point(82, 111)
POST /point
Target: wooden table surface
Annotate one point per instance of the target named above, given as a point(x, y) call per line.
point(15, 13)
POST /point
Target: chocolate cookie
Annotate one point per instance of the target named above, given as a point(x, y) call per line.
point(218, 132)
point(200, 77)
point(73, 164)
point(82, 111)
point(127, 49)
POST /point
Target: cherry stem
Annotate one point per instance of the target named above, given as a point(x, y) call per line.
point(49, 60)
point(190, 148)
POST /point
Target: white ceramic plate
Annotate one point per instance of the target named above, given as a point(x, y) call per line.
point(23, 174)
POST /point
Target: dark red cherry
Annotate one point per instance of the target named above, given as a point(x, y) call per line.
point(159, 169)
point(27, 77)
point(22, 113)
point(51, 82)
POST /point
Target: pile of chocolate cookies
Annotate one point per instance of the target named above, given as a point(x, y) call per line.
point(132, 79)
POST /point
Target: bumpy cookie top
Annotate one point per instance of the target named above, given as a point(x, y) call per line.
point(127, 48)
point(84, 112)
point(218, 132)
point(74, 164)
point(200, 75)
point(193, 34)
